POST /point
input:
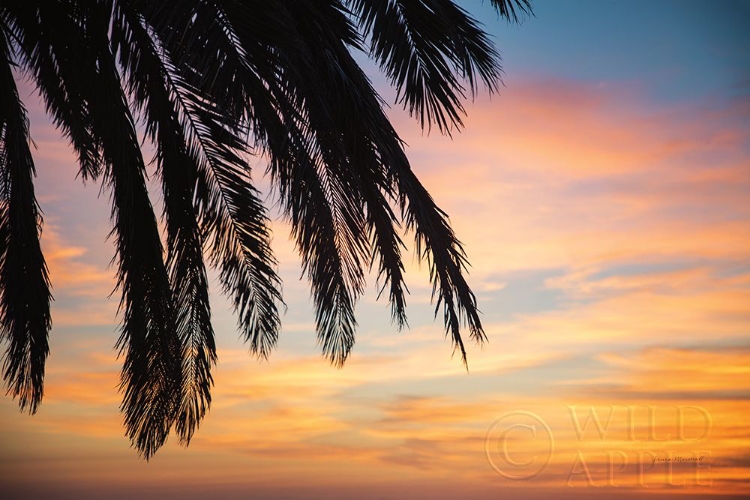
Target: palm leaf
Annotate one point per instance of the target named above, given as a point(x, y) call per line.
point(435, 240)
point(152, 371)
point(230, 213)
point(422, 46)
point(311, 174)
point(24, 282)
point(50, 52)
point(149, 84)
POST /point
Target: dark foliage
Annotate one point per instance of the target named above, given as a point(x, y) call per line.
point(214, 81)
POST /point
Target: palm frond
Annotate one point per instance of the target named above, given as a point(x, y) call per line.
point(235, 221)
point(230, 213)
point(149, 84)
point(24, 283)
point(379, 155)
point(507, 8)
point(50, 52)
point(278, 124)
point(325, 240)
point(419, 44)
point(339, 102)
point(152, 371)
point(437, 243)
point(312, 172)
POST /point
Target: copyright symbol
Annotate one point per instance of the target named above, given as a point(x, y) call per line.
point(519, 445)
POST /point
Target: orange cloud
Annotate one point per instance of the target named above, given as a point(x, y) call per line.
point(559, 174)
point(69, 272)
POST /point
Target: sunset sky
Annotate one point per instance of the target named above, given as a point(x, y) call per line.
point(603, 198)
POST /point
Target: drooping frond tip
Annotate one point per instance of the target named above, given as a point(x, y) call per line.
point(24, 283)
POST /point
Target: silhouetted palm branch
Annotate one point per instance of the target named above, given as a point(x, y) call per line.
point(215, 81)
point(24, 284)
point(149, 83)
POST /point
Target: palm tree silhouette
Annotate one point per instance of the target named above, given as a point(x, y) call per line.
point(214, 80)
